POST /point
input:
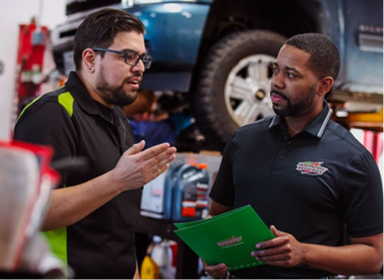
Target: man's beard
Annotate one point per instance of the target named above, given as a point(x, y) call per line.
point(296, 109)
point(115, 95)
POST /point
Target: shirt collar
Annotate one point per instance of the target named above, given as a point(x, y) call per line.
point(315, 127)
point(76, 87)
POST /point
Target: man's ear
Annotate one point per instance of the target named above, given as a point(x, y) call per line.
point(325, 85)
point(89, 57)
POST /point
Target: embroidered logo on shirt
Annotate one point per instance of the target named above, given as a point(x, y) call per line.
point(311, 168)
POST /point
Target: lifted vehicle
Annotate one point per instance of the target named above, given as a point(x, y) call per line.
point(214, 56)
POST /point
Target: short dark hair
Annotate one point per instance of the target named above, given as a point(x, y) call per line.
point(100, 28)
point(325, 57)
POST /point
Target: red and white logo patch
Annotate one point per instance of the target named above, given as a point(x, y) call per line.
point(311, 168)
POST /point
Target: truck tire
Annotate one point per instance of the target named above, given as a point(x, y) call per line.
point(234, 84)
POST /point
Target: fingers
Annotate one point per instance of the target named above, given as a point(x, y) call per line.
point(277, 257)
point(280, 238)
point(136, 148)
point(269, 244)
point(156, 150)
point(136, 167)
point(281, 259)
point(283, 250)
point(158, 170)
point(159, 156)
point(262, 255)
point(216, 271)
point(165, 156)
point(154, 157)
point(154, 161)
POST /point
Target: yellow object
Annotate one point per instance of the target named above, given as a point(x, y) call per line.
point(366, 117)
point(372, 121)
point(149, 269)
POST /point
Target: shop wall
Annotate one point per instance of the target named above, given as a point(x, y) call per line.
point(12, 14)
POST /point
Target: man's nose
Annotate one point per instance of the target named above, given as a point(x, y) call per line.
point(277, 80)
point(139, 66)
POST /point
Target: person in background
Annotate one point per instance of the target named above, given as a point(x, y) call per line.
point(91, 219)
point(146, 123)
point(160, 119)
point(307, 177)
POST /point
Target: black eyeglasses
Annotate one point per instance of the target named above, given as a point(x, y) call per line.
point(130, 57)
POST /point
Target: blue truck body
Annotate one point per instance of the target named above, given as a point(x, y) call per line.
point(190, 39)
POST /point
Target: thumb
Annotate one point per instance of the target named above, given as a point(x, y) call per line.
point(136, 148)
point(276, 232)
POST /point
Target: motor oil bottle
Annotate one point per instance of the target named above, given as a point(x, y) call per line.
point(169, 186)
point(157, 196)
point(190, 193)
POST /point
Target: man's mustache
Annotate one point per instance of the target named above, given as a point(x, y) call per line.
point(136, 74)
point(279, 93)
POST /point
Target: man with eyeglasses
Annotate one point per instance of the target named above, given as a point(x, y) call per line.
point(91, 218)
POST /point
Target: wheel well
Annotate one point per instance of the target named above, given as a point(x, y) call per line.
point(284, 17)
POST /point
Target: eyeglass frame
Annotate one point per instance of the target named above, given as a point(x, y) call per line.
point(125, 53)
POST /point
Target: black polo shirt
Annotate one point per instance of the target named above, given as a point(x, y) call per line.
point(312, 185)
point(102, 244)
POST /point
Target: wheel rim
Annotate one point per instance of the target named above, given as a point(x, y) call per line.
point(247, 89)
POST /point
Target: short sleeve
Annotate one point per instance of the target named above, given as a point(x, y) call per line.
point(223, 190)
point(46, 122)
point(362, 198)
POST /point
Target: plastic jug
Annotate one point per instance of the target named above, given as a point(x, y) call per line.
point(190, 199)
point(169, 185)
point(149, 268)
point(162, 256)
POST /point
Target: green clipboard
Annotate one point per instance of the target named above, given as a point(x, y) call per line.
point(226, 238)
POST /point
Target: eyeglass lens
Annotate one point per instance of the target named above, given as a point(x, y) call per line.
point(132, 58)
